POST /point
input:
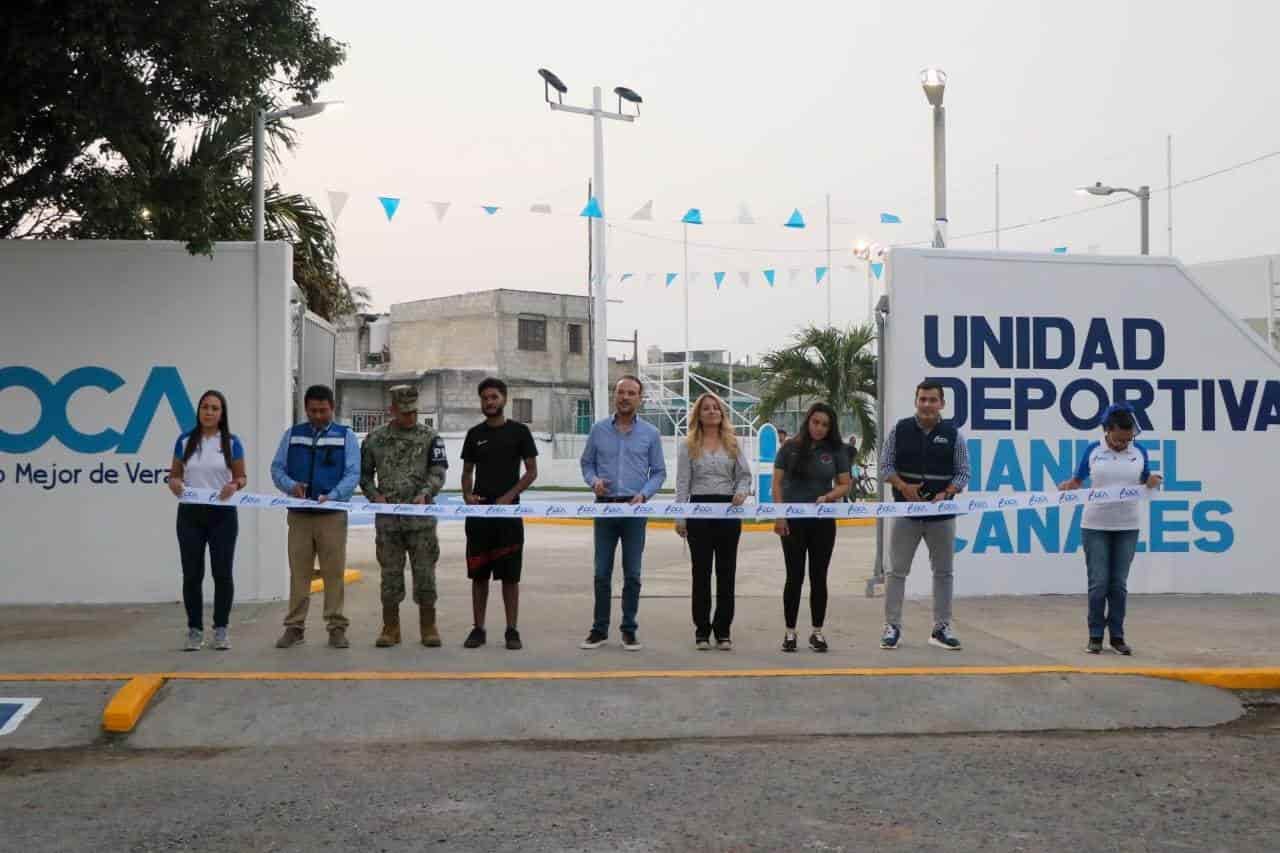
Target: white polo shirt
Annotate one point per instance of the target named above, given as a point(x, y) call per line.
point(207, 469)
point(1107, 468)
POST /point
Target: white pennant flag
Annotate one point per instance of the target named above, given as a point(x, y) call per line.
point(650, 277)
point(693, 277)
point(441, 208)
point(337, 201)
point(745, 275)
point(794, 274)
point(540, 208)
point(645, 212)
point(744, 215)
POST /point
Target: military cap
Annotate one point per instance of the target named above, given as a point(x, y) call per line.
point(405, 398)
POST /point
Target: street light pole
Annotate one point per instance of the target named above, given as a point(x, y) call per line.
point(600, 293)
point(261, 118)
point(1143, 195)
point(934, 82)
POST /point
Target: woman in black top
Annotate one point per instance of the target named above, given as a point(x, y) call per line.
point(813, 467)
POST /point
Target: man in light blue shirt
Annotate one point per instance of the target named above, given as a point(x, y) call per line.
point(622, 463)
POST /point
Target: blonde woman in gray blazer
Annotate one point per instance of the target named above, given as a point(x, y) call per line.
point(711, 468)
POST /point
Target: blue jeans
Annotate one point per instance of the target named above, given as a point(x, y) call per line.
point(1107, 556)
point(607, 533)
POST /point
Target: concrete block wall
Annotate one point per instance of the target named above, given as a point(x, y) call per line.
point(452, 331)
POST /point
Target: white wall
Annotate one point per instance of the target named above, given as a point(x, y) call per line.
point(129, 308)
point(1210, 529)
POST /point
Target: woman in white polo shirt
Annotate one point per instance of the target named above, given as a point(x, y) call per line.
point(208, 457)
point(1109, 532)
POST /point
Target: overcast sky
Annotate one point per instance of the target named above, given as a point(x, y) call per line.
point(777, 105)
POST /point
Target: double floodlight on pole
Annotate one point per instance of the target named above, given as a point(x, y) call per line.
point(1142, 194)
point(934, 82)
point(261, 118)
point(599, 289)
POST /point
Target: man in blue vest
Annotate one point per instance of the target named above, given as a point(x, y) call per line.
point(924, 458)
point(319, 460)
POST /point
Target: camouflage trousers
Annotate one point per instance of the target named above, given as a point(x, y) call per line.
point(416, 540)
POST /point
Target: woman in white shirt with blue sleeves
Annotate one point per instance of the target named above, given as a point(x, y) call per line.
point(208, 457)
point(1109, 532)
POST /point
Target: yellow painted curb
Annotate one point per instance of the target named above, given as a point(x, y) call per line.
point(126, 707)
point(348, 576)
point(659, 524)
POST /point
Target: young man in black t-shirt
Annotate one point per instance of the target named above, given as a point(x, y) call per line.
point(491, 457)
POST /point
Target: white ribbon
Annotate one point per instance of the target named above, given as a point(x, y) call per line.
point(671, 509)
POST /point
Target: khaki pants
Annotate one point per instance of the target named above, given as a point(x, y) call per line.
point(312, 535)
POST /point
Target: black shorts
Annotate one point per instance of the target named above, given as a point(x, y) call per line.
point(495, 549)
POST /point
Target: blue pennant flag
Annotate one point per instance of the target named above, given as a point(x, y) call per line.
point(625, 276)
point(796, 220)
point(719, 279)
point(768, 276)
point(592, 209)
point(877, 268)
point(890, 219)
point(389, 205)
point(821, 273)
point(670, 278)
point(693, 217)
point(1060, 250)
point(490, 209)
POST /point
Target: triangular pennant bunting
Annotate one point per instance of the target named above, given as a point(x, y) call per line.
point(650, 277)
point(441, 208)
point(793, 274)
point(337, 201)
point(769, 276)
point(625, 276)
point(670, 278)
point(745, 275)
point(890, 219)
point(693, 278)
point(719, 279)
point(592, 210)
point(645, 212)
point(1060, 250)
point(744, 215)
point(540, 208)
point(821, 273)
point(389, 205)
point(693, 217)
point(796, 220)
point(490, 209)
point(877, 268)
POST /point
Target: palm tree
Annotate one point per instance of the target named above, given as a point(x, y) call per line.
point(826, 364)
point(150, 190)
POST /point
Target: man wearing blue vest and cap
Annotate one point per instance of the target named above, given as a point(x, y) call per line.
point(924, 458)
point(320, 460)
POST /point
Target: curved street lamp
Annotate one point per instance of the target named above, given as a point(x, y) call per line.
point(1142, 194)
point(934, 82)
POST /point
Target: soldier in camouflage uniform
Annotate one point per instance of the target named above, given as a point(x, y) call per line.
point(404, 462)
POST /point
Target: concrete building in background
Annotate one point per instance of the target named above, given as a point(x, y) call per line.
point(538, 343)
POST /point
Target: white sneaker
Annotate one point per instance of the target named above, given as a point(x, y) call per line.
point(221, 639)
point(195, 640)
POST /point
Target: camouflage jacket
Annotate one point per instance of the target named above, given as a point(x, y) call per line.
point(402, 464)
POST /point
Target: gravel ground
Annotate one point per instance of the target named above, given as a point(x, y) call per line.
point(1202, 790)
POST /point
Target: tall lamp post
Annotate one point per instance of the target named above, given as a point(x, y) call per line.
point(934, 82)
point(599, 290)
point(261, 118)
point(1143, 195)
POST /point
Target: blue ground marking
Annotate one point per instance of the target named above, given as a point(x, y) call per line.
point(13, 712)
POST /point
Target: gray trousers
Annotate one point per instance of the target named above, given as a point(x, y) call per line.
point(904, 538)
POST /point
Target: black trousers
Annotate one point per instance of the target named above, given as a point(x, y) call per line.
point(814, 538)
point(215, 528)
point(713, 546)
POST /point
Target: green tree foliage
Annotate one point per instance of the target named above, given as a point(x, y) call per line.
point(834, 365)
